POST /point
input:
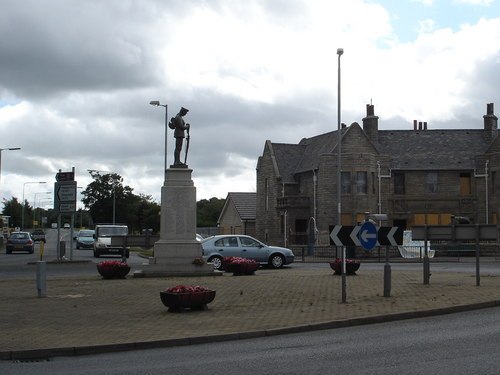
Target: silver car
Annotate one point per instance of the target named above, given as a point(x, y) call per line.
point(216, 248)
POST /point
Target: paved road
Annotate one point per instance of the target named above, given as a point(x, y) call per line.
point(464, 343)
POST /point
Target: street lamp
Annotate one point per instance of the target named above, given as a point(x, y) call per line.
point(35, 205)
point(24, 185)
point(6, 149)
point(340, 51)
point(156, 103)
point(485, 176)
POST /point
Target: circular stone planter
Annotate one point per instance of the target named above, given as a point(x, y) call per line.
point(113, 272)
point(177, 302)
point(351, 267)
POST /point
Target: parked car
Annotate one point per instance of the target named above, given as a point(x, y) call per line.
point(20, 241)
point(38, 235)
point(85, 239)
point(217, 247)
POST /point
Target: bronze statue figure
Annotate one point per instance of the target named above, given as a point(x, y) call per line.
point(177, 123)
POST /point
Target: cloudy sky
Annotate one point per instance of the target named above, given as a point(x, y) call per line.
point(76, 79)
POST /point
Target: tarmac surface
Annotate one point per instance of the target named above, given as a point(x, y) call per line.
point(89, 315)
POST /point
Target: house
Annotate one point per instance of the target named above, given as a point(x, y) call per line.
point(416, 176)
point(238, 214)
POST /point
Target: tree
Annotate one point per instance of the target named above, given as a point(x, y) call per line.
point(107, 195)
point(14, 209)
point(208, 211)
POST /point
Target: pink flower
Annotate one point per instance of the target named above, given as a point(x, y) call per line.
point(187, 289)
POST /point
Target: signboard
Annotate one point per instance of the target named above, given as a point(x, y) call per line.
point(366, 235)
point(65, 196)
point(460, 232)
point(345, 235)
point(390, 236)
point(65, 176)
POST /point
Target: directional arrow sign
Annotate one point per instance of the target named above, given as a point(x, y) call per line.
point(65, 196)
point(66, 191)
point(368, 235)
point(390, 236)
point(342, 235)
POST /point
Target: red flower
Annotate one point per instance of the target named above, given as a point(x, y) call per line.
point(238, 260)
point(112, 265)
point(187, 289)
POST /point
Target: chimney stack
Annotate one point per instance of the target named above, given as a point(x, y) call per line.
point(370, 123)
point(490, 123)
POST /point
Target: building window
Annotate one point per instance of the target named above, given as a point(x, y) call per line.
point(465, 184)
point(373, 183)
point(431, 183)
point(399, 183)
point(361, 183)
point(346, 182)
point(493, 180)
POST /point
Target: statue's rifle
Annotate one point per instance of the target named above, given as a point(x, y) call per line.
point(187, 146)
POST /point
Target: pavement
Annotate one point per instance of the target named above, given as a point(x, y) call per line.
point(89, 315)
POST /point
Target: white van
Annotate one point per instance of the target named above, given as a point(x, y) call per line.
point(102, 239)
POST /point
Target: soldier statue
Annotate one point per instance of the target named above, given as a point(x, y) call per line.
point(177, 123)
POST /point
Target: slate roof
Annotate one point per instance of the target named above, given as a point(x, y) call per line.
point(432, 149)
point(245, 204)
point(408, 149)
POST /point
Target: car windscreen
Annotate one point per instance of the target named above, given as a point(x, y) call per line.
point(86, 233)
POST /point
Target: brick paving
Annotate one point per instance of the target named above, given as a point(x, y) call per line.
point(103, 315)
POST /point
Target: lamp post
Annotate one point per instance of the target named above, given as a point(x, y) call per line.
point(157, 104)
point(485, 176)
point(34, 200)
point(6, 149)
point(24, 185)
point(340, 51)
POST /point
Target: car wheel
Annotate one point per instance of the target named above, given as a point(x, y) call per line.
point(96, 254)
point(8, 252)
point(77, 247)
point(276, 261)
point(216, 262)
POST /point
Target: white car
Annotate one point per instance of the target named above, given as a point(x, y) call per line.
point(216, 248)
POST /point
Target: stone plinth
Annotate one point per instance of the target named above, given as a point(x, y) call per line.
point(177, 247)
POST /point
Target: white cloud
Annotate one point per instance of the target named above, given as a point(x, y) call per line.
point(76, 79)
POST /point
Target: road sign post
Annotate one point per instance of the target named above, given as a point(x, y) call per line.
point(454, 233)
point(65, 202)
point(368, 235)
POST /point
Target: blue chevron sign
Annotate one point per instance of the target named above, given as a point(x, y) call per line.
point(368, 235)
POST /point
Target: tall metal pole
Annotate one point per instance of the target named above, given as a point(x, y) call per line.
point(22, 212)
point(340, 51)
point(157, 104)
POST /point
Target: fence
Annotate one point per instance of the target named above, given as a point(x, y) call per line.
point(306, 253)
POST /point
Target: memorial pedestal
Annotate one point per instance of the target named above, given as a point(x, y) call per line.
point(177, 247)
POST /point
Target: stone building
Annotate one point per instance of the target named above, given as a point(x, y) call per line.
point(238, 214)
point(416, 176)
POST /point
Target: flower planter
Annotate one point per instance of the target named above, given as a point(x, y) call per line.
point(351, 266)
point(242, 268)
point(113, 269)
point(177, 302)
